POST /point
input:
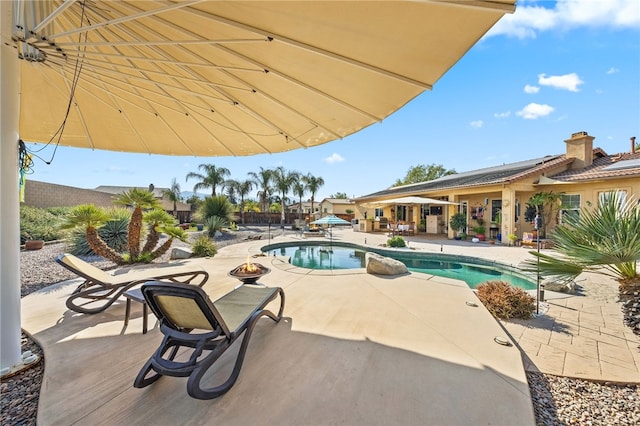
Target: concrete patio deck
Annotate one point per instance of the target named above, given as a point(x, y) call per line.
point(352, 349)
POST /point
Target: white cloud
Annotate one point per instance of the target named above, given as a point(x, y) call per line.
point(505, 114)
point(531, 89)
point(568, 82)
point(534, 111)
point(613, 70)
point(334, 158)
point(531, 17)
point(477, 124)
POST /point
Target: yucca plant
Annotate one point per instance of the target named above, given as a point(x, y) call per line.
point(216, 206)
point(91, 218)
point(140, 200)
point(113, 233)
point(215, 223)
point(605, 240)
point(157, 220)
point(173, 232)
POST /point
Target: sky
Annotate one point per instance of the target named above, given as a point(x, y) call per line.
point(551, 69)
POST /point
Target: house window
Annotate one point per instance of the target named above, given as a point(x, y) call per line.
point(570, 206)
point(496, 207)
point(604, 196)
point(379, 212)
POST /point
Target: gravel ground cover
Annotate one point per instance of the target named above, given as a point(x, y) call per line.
point(556, 400)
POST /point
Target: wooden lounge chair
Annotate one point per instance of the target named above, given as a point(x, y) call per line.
point(101, 289)
point(181, 309)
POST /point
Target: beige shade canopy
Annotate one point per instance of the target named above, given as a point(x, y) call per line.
point(217, 78)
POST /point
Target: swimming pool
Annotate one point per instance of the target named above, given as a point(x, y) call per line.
point(472, 271)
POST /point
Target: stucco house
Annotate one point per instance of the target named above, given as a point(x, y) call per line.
point(336, 206)
point(499, 195)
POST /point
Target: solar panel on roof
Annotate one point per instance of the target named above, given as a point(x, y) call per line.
point(624, 164)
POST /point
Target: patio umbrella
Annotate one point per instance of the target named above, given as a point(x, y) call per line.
point(331, 220)
point(209, 78)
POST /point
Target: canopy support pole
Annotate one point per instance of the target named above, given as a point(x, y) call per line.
point(10, 332)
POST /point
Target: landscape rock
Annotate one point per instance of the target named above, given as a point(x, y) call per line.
point(180, 253)
point(381, 265)
point(560, 286)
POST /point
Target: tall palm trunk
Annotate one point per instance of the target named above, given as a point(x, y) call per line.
point(163, 248)
point(152, 240)
point(101, 248)
point(135, 228)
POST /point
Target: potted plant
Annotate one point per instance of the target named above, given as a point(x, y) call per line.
point(512, 239)
point(458, 223)
point(479, 230)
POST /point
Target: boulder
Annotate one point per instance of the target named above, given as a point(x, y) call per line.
point(381, 265)
point(560, 286)
point(181, 253)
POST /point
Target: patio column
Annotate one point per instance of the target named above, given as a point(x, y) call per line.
point(10, 333)
point(451, 210)
point(508, 224)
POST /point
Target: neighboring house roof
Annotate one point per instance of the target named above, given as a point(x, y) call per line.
point(337, 201)
point(157, 192)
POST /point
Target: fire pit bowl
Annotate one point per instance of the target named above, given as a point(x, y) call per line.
point(249, 273)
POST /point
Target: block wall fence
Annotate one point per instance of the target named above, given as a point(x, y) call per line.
point(43, 195)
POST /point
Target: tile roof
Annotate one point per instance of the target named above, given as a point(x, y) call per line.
point(620, 165)
point(479, 177)
point(606, 167)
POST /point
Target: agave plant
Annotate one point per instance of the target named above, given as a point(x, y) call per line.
point(605, 240)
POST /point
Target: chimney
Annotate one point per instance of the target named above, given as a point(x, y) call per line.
point(580, 147)
point(633, 144)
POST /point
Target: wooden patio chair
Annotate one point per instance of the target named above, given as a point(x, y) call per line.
point(181, 309)
point(101, 289)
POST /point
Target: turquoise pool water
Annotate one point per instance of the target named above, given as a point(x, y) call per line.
point(470, 270)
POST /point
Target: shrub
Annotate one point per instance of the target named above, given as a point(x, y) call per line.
point(204, 247)
point(396, 242)
point(40, 224)
point(505, 301)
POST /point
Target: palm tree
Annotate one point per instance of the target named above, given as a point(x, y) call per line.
point(299, 189)
point(263, 180)
point(91, 218)
point(213, 177)
point(242, 188)
point(313, 184)
point(156, 219)
point(174, 194)
point(139, 199)
point(284, 181)
point(605, 240)
point(173, 232)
